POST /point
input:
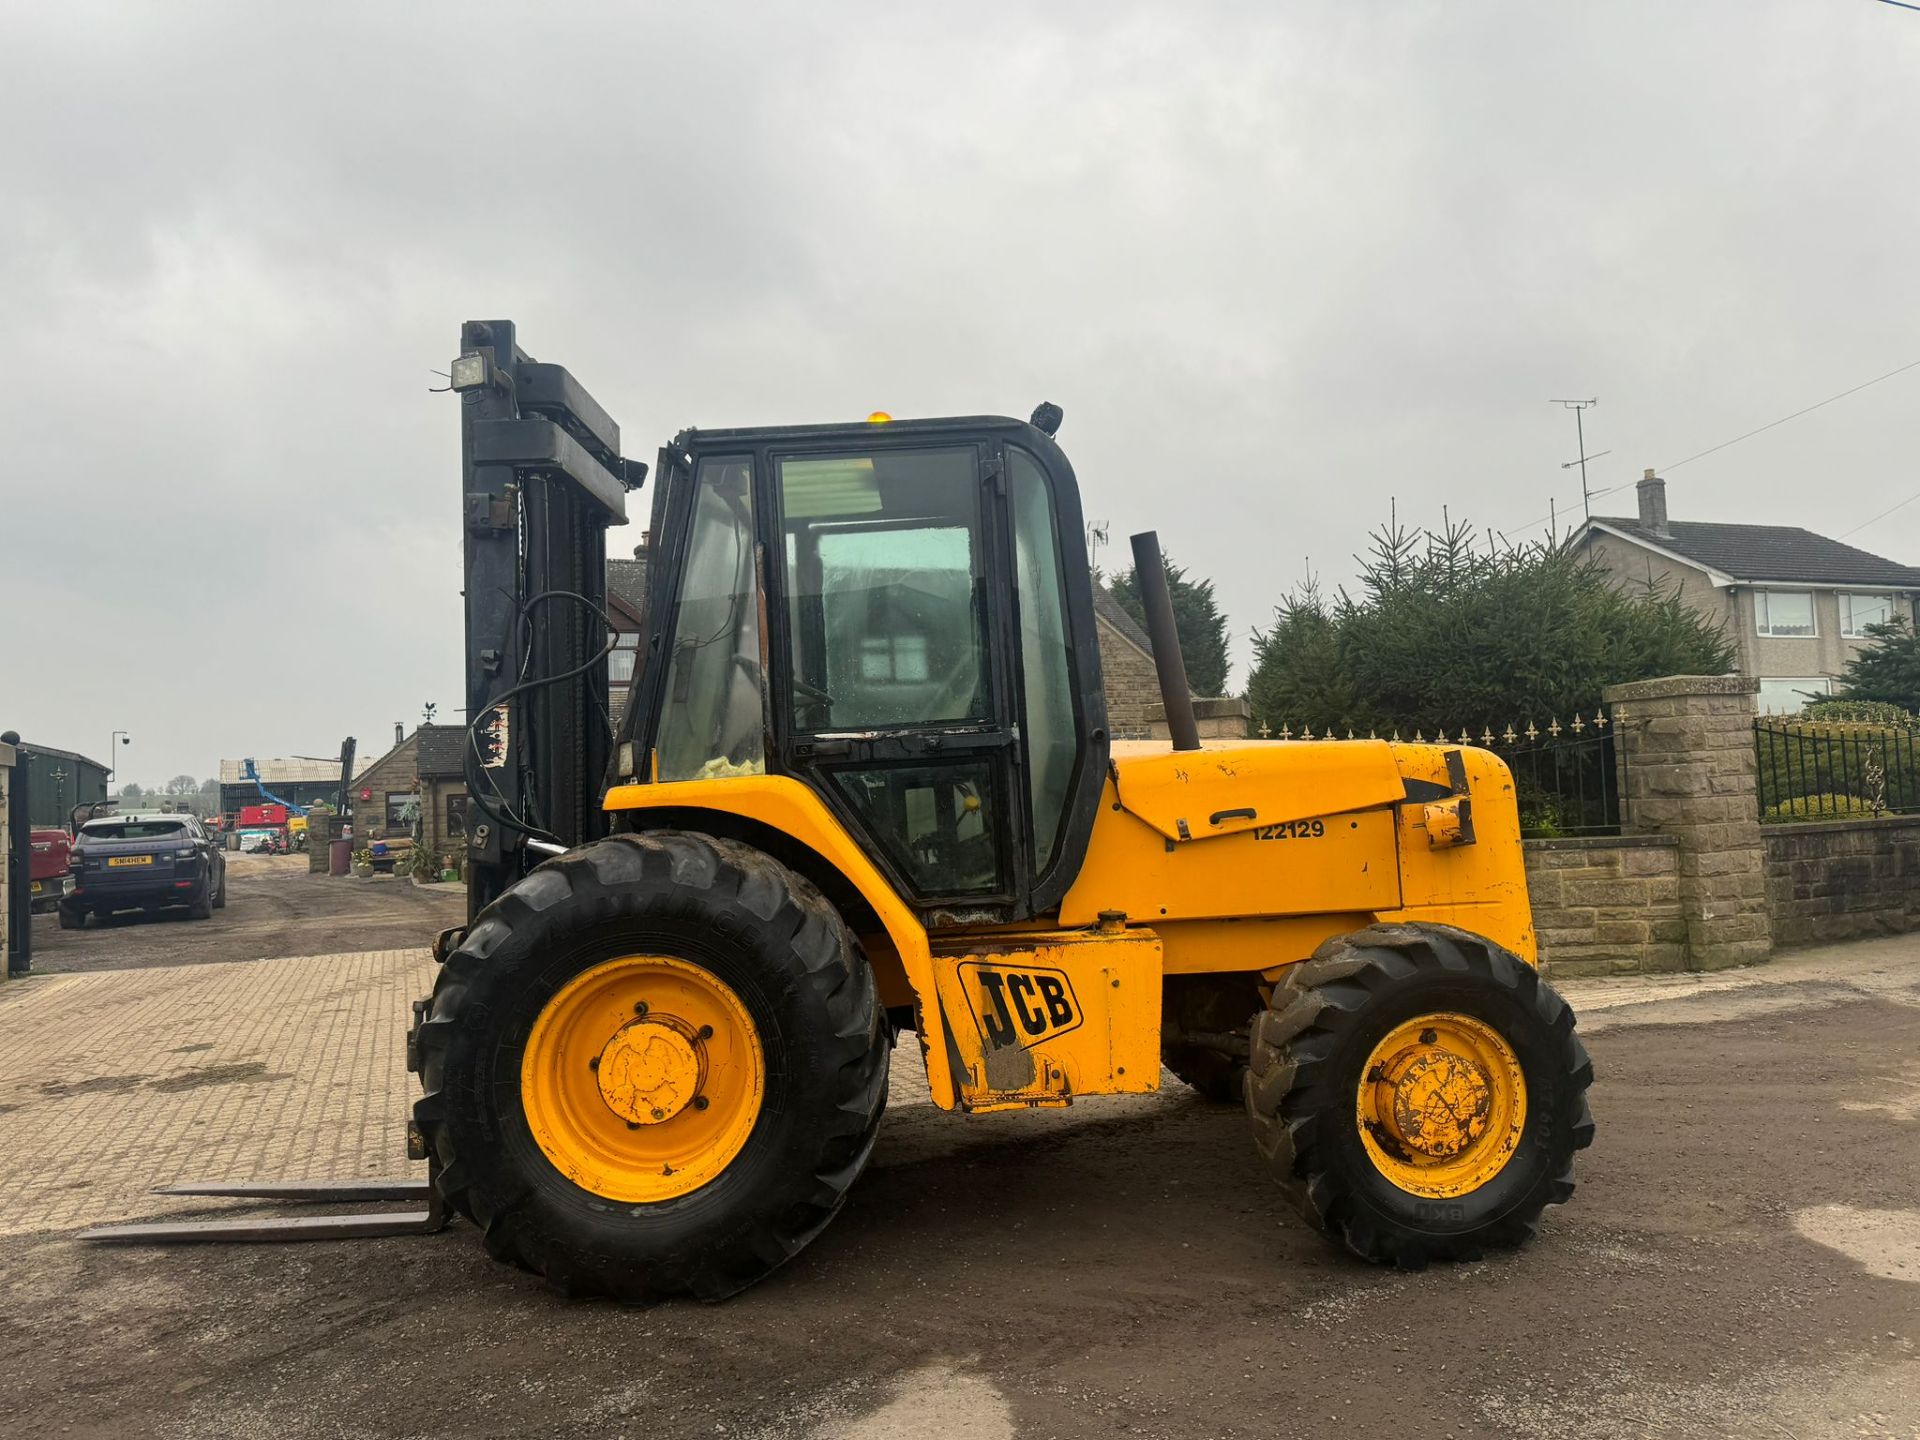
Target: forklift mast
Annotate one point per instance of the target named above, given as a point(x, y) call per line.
point(542, 478)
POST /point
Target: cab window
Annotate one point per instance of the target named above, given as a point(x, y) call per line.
point(712, 722)
point(1052, 739)
point(883, 559)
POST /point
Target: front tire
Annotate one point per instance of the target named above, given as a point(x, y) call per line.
point(1419, 1093)
point(592, 1007)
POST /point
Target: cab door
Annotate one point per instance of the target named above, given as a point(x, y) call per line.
point(894, 680)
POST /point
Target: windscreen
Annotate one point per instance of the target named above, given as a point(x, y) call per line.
point(883, 557)
point(133, 830)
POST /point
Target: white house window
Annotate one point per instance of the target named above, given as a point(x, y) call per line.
point(901, 659)
point(620, 660)
point(1859, 611)
point(1783, 612)
point(1789, 694)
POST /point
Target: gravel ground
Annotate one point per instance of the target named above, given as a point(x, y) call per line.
point(274, 907)
point(1742, 1258)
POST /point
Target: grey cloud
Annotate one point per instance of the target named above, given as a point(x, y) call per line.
point(1281, 264)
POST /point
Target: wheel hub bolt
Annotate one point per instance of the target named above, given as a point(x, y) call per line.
point(640, 1007)
point(706, 1032)
point(700, 1102)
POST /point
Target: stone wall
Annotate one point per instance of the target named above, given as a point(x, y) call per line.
point(1215, 717)
point(398, 770)
point(1132, 684)
point(433, 802)
point(1687, 771)
point(322, 830)
point(1842, 880)
point(1607, 905)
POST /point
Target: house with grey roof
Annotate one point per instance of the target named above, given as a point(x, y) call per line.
point(1796, 605)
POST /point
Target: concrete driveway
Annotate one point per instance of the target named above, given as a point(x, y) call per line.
point(1743, 1257)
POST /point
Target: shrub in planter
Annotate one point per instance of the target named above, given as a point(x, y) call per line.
point(1816, 807)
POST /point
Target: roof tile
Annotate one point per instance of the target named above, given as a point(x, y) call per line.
point(1770, 552)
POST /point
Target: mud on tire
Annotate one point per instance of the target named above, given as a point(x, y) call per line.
point(759, 927)
point(1308, 1049)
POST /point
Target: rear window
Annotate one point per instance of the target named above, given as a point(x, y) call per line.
point(133, 830)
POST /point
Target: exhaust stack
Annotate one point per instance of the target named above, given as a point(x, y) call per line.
point(1150, 574)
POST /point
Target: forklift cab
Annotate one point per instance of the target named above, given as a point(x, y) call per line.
point(899, 615)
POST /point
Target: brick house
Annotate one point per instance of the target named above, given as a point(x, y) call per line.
point(627, 608)
point(422, 769)
point(1795, 604)
point(441, 762)
point(1126, 668)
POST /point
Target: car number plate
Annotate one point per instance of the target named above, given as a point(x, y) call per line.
point(115, 860)
point(36, 887)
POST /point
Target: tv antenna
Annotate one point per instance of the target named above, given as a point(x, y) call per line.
point(1096, 537)
point(1580, 408)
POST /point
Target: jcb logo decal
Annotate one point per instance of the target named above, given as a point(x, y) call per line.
point(1019, 1006)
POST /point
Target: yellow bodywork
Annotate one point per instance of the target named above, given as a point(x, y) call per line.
point(1242, 856)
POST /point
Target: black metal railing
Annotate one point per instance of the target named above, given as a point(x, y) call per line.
point(1567, 784)
point(1566, 777)
point(1820, 768)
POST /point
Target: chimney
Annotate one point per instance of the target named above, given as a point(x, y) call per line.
point(400, 730)
point(1653, 503)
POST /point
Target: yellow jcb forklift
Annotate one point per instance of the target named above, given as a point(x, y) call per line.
point(863, 786)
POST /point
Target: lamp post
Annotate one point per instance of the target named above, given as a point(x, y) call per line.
point(113, 764)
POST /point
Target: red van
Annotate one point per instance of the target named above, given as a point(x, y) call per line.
point(51, 860)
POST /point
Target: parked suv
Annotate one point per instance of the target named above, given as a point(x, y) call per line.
point(144, 862)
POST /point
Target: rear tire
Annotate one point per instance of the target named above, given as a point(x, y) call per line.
point(728, 911)
point(202, 906)
point(1310, 1057)
point(72, 919)
point(220, 895)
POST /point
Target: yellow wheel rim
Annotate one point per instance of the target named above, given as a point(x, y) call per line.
point(642, 1078)
point(1441, 1105)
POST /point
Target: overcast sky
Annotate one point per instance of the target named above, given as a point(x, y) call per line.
point(1281, 264)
